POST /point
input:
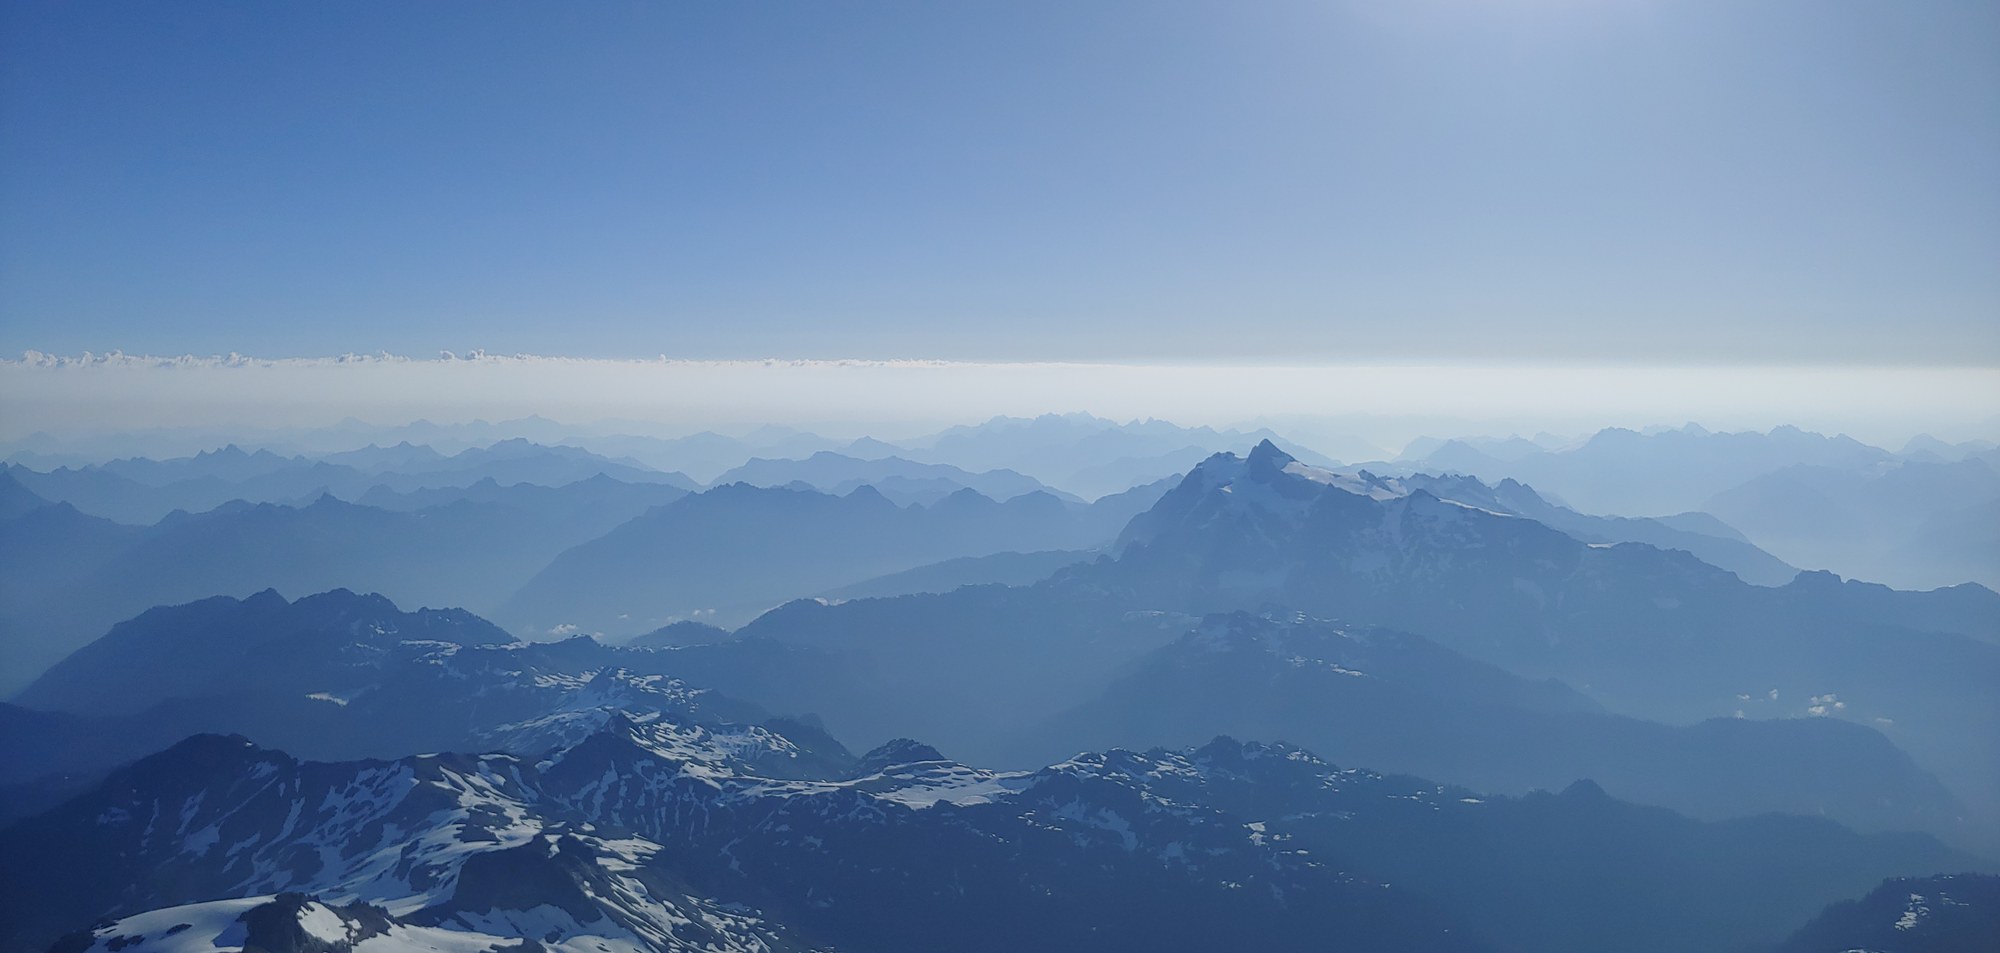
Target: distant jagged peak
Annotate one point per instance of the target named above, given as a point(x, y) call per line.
point(867, 495)
point(893, 753)
point(1267, 455)
point(1268, 466)
point(327, 501)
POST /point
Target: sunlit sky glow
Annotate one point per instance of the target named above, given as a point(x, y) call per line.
point(1768, 182)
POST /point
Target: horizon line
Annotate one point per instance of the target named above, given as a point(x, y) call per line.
point(33, 358)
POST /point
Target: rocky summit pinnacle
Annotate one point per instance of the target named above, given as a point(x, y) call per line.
point(1267, 458)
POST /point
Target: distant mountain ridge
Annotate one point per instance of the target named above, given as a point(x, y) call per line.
point(1912, 523)
point(1407, 705)
point(197, 484)
point(1707, 538)
point(345, 675)
point(345, 666)
point(77, 574)
point(1084, 454)
point(1625, 472)
point(902, 480)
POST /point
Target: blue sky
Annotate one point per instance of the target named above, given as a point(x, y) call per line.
point(1438, 180)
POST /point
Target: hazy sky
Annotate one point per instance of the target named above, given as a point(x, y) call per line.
point(1386, 405)
point(1676, 182)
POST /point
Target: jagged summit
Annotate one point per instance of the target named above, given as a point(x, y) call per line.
point(1265, 485)
point(1266, 458)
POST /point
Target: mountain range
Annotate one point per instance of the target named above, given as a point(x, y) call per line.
point(1269, 702)
point(144, 491)
point(1924, 518)
point(640, 835)
point(77, 574)
point(1647, 633)
point(1625, 472)
point(903, 481)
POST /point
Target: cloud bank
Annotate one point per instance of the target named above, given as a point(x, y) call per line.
point(117, 391)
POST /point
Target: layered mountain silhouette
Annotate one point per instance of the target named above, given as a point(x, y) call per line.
point(901, 480)
point(1912, 524)
point(1009, 569)
point(340, 667)
point(734, 551)
point(1660, 632)
point(144, 491)
point(1404, 704)
point(77, 574)
point(1554, 731)
point(1699, 534)
point(1644, 474)
point(340, 674)
point(44, 551)
point(1651, 633)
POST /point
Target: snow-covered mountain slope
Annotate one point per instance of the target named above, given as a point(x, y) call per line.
point(446, 841)
point(291, 923)
point(622, 839)
point(567, 912)
point(475, 845)
point(620, 842)
point(1949, 913)
point(341, 675)
point(333, 677)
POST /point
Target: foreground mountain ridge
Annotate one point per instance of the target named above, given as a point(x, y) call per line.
point(625, 838)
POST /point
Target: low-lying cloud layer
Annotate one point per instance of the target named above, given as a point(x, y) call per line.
point(114, 391)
